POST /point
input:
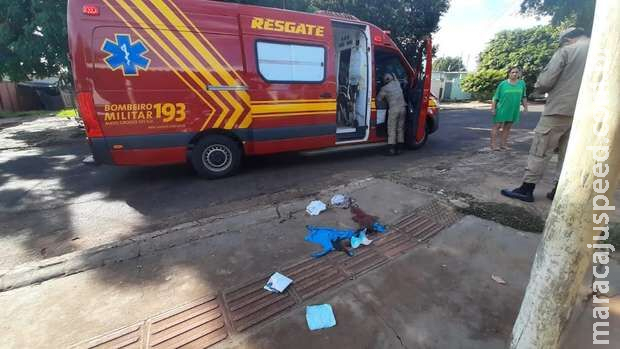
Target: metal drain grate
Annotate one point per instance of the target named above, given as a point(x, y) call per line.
point(250, 304)
point(203, 323)
point(395, 244)
point(439, 213)
point(365, 260)
point(127, 338)
point(199, 324)
point(313, 276)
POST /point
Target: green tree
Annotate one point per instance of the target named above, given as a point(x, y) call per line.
point(482, 84)
point(529, 49)
point(33, 38)
point(575, 12)
point(297, 5)
point(405, 19)
point(448, 64)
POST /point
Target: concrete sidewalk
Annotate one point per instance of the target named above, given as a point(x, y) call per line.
point(439, 296)
point(436, 295)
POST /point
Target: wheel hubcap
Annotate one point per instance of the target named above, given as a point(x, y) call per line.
point(217, 158)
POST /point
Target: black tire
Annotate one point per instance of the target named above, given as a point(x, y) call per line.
point(216, 156)
point(415, 145)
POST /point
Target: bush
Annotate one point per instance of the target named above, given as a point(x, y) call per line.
point(482, 84)
point(529, 49)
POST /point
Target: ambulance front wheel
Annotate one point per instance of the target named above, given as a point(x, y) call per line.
point(414, 144)
point(216, 156)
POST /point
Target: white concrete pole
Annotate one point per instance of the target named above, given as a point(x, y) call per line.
point(563, 258)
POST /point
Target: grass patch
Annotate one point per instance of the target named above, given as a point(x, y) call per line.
point(67, 113)
point(521, 219)
point(18, 114)
point(512, 216)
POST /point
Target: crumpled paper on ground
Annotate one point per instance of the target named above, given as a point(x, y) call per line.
point(316, 207)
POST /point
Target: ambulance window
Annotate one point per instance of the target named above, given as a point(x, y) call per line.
point(390, 63)
point(290, 63)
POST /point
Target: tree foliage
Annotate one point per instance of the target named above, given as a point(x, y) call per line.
point(482, 84)
point(33, 38)
point(448, 64)
point(33, 33)
point(407, 20)
point(575, 12)
point(297, 5)
point(529, 49)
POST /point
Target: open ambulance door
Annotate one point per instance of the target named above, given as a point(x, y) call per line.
point(416, 132)
point(353, 59)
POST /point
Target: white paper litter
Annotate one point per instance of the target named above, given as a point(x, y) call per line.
point(341, 201)
point(498, 279)
point(316, 207)
point(277, 283)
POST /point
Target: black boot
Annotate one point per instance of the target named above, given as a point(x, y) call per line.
point(551, 194)
point(392, 150)
point(524, 193)
point(400, 148)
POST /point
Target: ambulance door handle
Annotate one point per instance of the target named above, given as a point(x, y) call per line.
point(326, 95)
point(226, 88)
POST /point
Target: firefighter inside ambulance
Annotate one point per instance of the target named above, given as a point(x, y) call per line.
point(392, 94)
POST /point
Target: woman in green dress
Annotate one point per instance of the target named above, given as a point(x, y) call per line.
point(509, 96)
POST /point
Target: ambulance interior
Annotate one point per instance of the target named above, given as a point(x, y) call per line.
point(352, 63)
point(388, 62)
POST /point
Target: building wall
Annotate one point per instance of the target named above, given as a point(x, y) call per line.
point(447, 86)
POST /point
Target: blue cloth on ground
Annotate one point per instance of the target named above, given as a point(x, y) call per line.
point(320, 316)
point(378, 228)
point(325, 236)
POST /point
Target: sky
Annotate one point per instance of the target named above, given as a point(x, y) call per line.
point(470, 24)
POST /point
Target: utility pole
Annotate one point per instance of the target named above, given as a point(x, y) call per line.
point(564, 259)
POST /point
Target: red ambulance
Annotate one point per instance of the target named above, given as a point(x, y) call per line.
point(205, 82)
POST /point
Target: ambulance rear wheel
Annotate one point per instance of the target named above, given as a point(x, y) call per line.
point(216, 156)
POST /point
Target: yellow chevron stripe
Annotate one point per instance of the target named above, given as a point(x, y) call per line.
point(292, 114)
point(169, 51)
point(178, 45)
point(207, 41)
point(193, 40)
point(245, 97)
point(288, 101)
point(152, 47)
point(211, 61)
point(293, 107)
point(247, 120)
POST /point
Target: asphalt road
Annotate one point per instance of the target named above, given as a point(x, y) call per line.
point(51, 203)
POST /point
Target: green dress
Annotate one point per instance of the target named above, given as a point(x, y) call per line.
point(508, 98)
